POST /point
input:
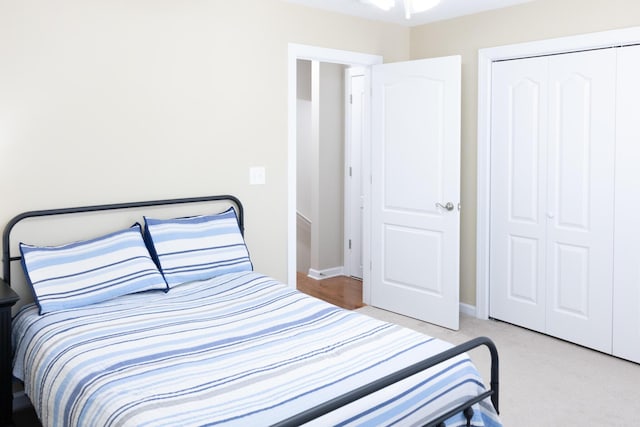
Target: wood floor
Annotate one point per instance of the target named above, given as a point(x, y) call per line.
point(345, 292)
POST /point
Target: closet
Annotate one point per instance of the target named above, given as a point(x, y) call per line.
point(565, 163)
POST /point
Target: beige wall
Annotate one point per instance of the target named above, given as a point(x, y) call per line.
point(329, 217)
point(540, 19)
point(110, 101)
point(121, 100)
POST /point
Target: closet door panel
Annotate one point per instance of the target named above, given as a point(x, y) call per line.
point(518, 150)
point(626, 311)
point(580, 203)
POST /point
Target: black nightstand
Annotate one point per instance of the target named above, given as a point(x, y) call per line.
point(8, 298)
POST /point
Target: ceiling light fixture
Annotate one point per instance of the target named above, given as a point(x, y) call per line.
point(385, 5)
point(418, 6)
point(410, 6)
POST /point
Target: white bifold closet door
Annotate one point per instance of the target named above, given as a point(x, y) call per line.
point(552, 186)
point(518, 192)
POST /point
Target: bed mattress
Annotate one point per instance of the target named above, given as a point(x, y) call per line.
point(237, 350)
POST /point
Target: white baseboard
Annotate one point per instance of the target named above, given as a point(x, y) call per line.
point(468, 309)
point(326, 273)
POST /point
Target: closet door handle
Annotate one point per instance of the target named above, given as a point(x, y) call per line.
point(449, 206)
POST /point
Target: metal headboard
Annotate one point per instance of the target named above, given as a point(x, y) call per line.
point(6, 249)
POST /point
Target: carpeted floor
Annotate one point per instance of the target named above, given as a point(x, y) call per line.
point(545, 381)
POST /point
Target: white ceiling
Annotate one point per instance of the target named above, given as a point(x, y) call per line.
point(447, 9)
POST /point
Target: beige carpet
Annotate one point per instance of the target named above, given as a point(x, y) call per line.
point(545, 381)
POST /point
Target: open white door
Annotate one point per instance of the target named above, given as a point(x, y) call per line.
point(415, 191)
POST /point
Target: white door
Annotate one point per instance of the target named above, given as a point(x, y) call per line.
point(580, 202)
point(518, 191)
point(415, 217)
point(626, 291)
point(354, 191)
point(553, 145)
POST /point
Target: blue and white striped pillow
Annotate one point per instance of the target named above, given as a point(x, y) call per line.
point(198, 247)
point(91, 271)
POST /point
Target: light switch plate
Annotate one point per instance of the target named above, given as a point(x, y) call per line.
point(257, 175)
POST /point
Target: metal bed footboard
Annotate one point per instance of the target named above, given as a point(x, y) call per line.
point(383, 382)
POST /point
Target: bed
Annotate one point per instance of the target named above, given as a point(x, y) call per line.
point(222, 345)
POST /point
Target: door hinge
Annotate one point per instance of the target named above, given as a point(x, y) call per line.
point(350, 171)
point(349, 243)
point(351, 98)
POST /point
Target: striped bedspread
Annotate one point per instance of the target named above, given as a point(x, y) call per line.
point(237, 350)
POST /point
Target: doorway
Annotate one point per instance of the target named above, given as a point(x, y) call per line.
point(330, 198)
point(321, 55)
point(321, 155)
point(414, 91)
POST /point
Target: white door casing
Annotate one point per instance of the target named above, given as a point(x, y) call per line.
point(415, 174)
point(354, 191)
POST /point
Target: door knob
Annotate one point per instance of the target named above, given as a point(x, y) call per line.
point(449, 206)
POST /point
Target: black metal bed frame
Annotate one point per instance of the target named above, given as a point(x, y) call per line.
point(6, 250)
point(324, 408)
point(383, 382)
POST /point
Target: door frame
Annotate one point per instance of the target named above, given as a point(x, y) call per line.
point(604, 39)
point(349, 214)
point(295, 52)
